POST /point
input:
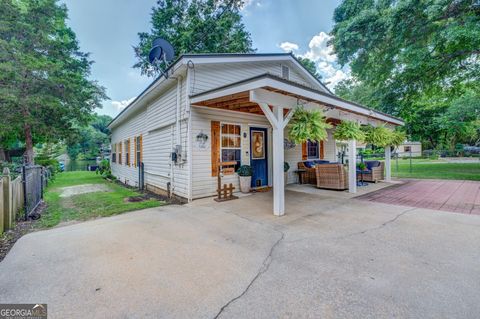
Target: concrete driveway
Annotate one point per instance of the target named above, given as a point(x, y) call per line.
point(330, 257)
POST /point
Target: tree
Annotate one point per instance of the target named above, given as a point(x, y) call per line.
point(410, 58)
point(89, 140)
point(194, 26)
point(310, 66)
point(45, 90)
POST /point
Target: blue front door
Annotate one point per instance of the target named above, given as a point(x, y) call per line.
point(258, 156)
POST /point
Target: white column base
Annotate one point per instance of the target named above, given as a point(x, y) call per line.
point(352, 166)
point(388, 164)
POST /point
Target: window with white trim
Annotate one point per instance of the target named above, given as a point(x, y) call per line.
point(114, 153)
point(231, 143)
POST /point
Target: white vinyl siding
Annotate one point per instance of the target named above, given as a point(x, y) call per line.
point(211, 76)
point(134, 126)
point(204, 184)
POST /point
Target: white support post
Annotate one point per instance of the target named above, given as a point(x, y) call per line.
point(388, 164)
point(278, 158)
point(352, 166)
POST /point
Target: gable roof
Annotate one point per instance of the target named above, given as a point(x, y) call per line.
point(206, 58)
point(271, 81)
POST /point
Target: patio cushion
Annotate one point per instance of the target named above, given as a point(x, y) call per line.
point(371, 164)
point(309, 164)
point(321, 162)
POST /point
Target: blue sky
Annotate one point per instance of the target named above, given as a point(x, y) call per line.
point(108, 30)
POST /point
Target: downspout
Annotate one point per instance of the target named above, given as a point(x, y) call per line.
point(189, 137)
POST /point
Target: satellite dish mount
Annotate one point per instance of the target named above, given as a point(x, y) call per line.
point(161, 51)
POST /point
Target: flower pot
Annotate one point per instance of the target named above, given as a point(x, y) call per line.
point(245, 183)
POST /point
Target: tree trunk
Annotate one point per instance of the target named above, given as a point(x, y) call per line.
point(28, 144)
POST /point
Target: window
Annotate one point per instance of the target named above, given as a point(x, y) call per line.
point(285, 72)
point(138, 149)
point(127, 152)
point(231, 148)
point(120, 153)
point(312, 149)
point(114, 153)
point(407, 149)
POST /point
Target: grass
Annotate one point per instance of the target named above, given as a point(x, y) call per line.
point(434, 169)
point(87, 206)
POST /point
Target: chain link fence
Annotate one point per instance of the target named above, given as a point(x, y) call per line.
point(35, 179)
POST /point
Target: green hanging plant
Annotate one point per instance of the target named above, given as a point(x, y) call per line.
point(398, 138)
point(348, 130)
point(378, 135)
point(308, 125)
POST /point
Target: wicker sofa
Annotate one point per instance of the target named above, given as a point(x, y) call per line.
point(374, 172)
point(309, 167)
point(331, 176)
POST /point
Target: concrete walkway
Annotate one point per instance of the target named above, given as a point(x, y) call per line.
point(327, 258)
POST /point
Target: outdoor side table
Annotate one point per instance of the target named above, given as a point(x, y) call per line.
point(301, 175)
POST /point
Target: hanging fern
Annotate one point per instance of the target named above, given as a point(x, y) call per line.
point(378, 135)
point(307, 125)
point(398, 138)
point(348, 130)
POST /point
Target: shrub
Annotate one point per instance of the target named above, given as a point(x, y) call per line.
point(104, 169)
point(245, 170)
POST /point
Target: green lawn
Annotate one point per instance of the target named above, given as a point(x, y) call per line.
point(89, 205)
point(424, 168)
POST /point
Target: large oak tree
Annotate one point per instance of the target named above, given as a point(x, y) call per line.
point(414, 58)
point(45, 90)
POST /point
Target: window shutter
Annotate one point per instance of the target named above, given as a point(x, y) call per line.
point(215, 147)
point(322, 154)
point(304, 151)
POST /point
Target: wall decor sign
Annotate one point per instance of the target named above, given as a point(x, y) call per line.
point(258, 145)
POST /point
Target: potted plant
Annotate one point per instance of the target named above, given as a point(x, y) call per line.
point(362, 166)
point(245, 173)
point(286, 167)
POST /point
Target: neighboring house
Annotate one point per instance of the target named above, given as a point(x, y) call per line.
point(408, 149)
point(224, 107)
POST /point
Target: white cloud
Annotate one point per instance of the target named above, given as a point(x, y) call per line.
point(322, 54)
point(120, 105)
point(288, 46)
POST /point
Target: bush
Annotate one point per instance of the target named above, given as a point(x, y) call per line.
point(104, 169)
point(245, 170)
point(52, 164)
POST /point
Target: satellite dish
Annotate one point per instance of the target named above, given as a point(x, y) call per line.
point(161, 50)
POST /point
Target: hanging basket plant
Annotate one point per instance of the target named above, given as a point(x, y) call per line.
point(378, 135)
point(308, 125)
point(349, 130)
point(398, 138)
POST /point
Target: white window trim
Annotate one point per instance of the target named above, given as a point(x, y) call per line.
point(318, 152)
point(230, 148)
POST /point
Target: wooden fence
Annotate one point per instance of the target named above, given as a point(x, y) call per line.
point(11, 200)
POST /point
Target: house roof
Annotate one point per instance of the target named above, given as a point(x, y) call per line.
point(274, 83)
point(216, 58)
point(206, 58)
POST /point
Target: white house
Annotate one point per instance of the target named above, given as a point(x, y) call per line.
point(225, 107)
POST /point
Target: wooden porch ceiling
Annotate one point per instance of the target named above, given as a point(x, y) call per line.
point(240, 102)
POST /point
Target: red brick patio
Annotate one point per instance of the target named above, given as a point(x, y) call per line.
point(452, 196)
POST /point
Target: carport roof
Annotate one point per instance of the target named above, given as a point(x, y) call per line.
point(237, 95)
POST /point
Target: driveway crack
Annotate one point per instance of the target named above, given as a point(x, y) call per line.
point(380, 226)
point(264, 268)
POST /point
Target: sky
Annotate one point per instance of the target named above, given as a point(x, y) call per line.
point(108, 30)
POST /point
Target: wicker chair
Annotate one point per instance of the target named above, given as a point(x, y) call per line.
point(375, 173)
point(332, 176)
